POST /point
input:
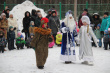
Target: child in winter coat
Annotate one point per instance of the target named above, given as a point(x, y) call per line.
point(106, 39)
point(52, 43)
point(2, 41)
point(85, 34)
point(11, 37)
point(40, 41)
point(98, 35)
point(20, 42)
point(31, 28)
point(28, 41)
point(59, 39)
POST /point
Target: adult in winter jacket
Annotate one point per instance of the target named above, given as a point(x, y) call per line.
point(40, 42)
point(26, 24)
point(105, 22)
point(86, 12)
point(13, 22)
point(38, 21)
point(2, 41)
point(34, 16)
point(49, 13)
point(96, 20)
point(11, 37)
point(54, 24)
point(4, 24)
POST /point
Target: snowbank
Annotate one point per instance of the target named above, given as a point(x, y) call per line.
point(19, 10)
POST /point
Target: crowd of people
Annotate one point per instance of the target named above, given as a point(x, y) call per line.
point(43, 32)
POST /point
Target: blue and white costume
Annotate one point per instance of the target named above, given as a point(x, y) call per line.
point(68, 28)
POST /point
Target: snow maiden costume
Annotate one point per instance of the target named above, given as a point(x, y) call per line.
point(85, 49)
point(68, 28)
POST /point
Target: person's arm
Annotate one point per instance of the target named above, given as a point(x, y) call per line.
point(93, 35)
point(58, 21)
point(49, 23)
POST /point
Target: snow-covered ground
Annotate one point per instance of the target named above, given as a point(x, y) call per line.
point(23, 61)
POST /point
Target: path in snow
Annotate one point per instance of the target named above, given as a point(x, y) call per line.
point(23, 61)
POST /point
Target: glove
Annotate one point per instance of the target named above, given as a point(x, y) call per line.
point(67, 29)
point(14, 28)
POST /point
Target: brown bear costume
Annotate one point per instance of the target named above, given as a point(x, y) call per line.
point(40, 42)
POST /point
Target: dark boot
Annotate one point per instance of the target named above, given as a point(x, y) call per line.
point(67, 62)
point(41, 67)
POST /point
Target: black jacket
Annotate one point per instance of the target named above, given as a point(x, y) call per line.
point(48, 16)
point(26, 22)
point(54, 24)
point(11, 35)
point(34, 17)
point(96, 21)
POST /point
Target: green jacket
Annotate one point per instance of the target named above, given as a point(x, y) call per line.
point(105, 24)
point(108, 23)
point(98, 34)
point(19, 41)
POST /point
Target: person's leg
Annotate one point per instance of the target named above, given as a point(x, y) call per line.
point(105, 45)
point(109, 44)
point(22, 45)
point(54, 35)
point(100, 43)
point(12, 44)
point(2, 49)
point(9, 45)
point(26, 35)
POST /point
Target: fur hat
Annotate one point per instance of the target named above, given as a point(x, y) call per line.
point(21, 36)
point(106, 13)
point(85, 19)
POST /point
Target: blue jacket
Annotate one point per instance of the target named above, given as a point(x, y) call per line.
point(104, 25)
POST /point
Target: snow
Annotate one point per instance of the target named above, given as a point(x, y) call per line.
point(24, 61)
point(19, 10)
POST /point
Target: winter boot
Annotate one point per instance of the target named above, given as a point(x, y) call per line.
point(85, 62)
point(67, 62)
point(41, 67)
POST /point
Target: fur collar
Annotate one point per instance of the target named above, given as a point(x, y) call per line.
point(42, 31)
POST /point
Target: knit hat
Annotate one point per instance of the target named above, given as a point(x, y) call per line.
point(85, 19)
point(31, 22)
point(58, 32)
point(53, 11)
point(95, 14)
point(21, 36)
point(10, 27)
point(106, 13)
point(98, 25)
point(49, 10)
point(86, 10)
point(44, 20)
point(31, 34)
point(3, 14)
point(105, 32)
point(108, 29)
